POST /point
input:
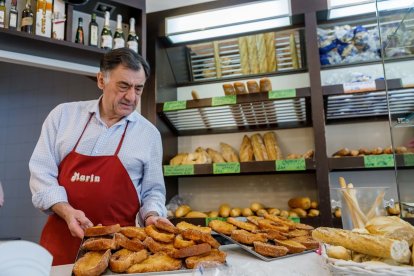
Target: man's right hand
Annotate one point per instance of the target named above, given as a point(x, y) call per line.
point(76, 220)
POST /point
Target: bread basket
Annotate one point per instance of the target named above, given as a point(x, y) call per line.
point(348, 268)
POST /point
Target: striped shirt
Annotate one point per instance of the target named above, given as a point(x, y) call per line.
point(141, 154)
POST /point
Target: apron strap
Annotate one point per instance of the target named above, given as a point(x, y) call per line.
point(122, 139)
point(87, 123)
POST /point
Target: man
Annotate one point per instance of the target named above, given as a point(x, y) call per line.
point(98, 162)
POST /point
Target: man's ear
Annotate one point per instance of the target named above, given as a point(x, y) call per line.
point(100, 80)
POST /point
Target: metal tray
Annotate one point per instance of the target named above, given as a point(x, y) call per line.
point(264, 258)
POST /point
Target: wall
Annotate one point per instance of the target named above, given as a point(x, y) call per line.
point(27, 95)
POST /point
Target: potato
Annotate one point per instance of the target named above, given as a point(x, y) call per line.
point(255, 206)
point(224, 210)
point(313, 213)
point(235, 212)
point(213, 214)
point(301, 213)
point(196, 214)
point(246, 212)
point(182, 210)
point(273, 211)
point(314, 205)
point(300, 202)
point(261, 212)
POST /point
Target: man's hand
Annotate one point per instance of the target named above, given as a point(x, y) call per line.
point(76, 220)
point(152, 219)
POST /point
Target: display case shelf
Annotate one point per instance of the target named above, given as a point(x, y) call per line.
point(359, 163)
point(270, 110)
point(253, 167)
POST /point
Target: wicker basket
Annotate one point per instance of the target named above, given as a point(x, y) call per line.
point(348, 268)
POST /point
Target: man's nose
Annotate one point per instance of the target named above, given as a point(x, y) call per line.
point(130, 95)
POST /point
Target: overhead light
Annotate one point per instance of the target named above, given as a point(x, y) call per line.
point(344, 8)
point(260, 15)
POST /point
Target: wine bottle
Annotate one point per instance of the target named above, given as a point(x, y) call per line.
point(93, 32)
point(132, 36)
point(2, 14)
point(106, 34)
point(13, 15)
point(79, 32)
point(119, 40)
point(27, 18)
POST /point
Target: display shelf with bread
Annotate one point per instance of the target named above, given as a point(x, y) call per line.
point(381, 162)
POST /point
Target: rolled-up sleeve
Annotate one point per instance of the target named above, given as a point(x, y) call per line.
point(43, 166)
point(153, 187)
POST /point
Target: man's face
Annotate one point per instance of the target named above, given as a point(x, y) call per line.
point(122, 89)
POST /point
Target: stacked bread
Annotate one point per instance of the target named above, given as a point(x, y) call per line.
point(159, 247)
point(384, 239)
point(270, 236)
point(238, 87)
point(364, 151)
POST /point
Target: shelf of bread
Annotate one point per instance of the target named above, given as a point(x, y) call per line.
point(361, 87)
point(286, 108)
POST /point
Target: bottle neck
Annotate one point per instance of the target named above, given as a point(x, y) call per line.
point(106, 25)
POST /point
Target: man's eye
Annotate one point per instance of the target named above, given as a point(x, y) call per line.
point(123, 87)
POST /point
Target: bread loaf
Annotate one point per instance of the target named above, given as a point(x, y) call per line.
point(246, 150)
point(253, 56)
point(228, 89)
point(253, 86)
point(240, 87)
point(265, 85)
point(244, 56)
point(259, 149)
point(272, 148)
point(178, 159)
point(391, 227)
point(215, 156)
point(300, 202)
point(229, 154)
point(365, 243)
point(270, 51)
point(261, 53)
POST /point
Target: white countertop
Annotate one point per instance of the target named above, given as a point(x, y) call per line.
point(242, 263)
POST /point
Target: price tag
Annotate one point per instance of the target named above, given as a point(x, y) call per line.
point(294, 219)
point(379, 161)
point(361, 86)
point(291, 165)
point(282, 94)
point(175, 105)
point(224, 100)
point(178, 170)
point(409, 159)
point(223, 168)
point(216, 218)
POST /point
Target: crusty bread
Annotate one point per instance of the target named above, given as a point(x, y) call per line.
point(272, 148)
point(214, 255)
point(338, 252)
point(365, 243)
point(134, 232)
point(267, 249)
point(259, 150)
point(240, 87)
point(261, 52)
point(215, 156)
point(124, 258)
point(246, 150)
point(92, 263)
point(229, 154)
point(253, 86)
point(99, 244)
point(391, 227)
point(229, 89)
point(270, 51)
point(253, 55)
point(192, 250)
point(101, 230)
point(265, 85)
point(124, 242)
point(244, 55)
point(178, 159)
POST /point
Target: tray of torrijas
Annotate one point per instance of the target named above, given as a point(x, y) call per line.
point(269, 238)
point(152, 250)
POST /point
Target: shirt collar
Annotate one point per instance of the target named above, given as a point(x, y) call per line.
point(94, 108)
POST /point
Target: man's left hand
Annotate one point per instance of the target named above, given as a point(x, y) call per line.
point(152, 219)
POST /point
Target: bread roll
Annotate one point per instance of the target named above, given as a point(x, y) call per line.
point(253, 86)
point(293, 51)
point(204, 153)
point(308, 154)
point(229, 154)
point(261, 53)
point(270, 51)
point(194, 95)
point(240, 87)
point(365, 243)
point(259, 149)
point(178, 159)
point(253, 56)
point(265, 85)
point(246, 150)
point(313, 213)
point(338, 252)
point(215, 156)
point(301, 213)
point(272, 149)
point(401, 150)
point(195, 214)
point(300, 202)
point(342, 152)
point(244, 56)
point(229, 89)
point(182, 210)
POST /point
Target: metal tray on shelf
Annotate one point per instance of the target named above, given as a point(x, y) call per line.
point(264, 258)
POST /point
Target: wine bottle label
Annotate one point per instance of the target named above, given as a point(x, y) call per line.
point(106, 41)
point(119, 43)
point(133, 45)
point(13, 20)
point(27, 21)
point(94, 35)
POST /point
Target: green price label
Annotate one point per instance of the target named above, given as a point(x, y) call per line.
point(379, 161)
point(222, 168)
point(217, 218)
point(295, 219)
point(409, 159)
point(224, 100)
point(178, 170)
point(281, 94)
point(291, 165)
point(175, 105)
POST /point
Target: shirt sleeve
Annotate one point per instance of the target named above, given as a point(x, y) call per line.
point(43, 166)
point(153, 187)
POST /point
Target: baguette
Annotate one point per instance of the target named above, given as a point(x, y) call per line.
point(244, 55)
point(246, 150)
point(253, 55)
point(272, 149)
point(229, 154)
point(364, 243)
point(261, 53)
point(215, 156)
point(270, 51)
point(259, 149)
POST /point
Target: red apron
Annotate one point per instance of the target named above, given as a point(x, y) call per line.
point(99, 186)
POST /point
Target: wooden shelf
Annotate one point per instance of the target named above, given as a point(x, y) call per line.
point(338, 89)
point(254, 167)
point(357, 163)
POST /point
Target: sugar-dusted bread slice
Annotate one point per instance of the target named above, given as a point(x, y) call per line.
point(121, 260)
point(99, 244)
point(92, 263)
point(101, 230)
point(130, 244)
point(134, 232)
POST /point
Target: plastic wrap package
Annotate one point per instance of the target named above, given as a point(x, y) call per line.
point(174, 203)
point(326, 42)
point(344, 34)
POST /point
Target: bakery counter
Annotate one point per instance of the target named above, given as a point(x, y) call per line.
point(241, 262)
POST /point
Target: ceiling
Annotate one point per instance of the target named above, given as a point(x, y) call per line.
point(160, 5)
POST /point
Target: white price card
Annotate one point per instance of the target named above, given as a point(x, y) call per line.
point(357, 87)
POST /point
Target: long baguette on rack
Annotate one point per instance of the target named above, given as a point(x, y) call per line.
point(270, 51)
point(244, 55)
point(377, 246)
point(272, 148)
point(261, 53)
